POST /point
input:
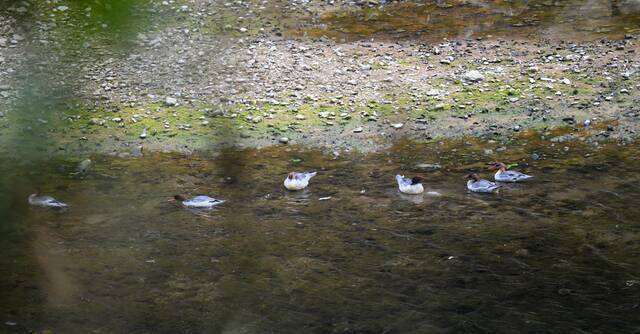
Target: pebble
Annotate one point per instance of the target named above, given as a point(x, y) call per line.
point(283, 140)
point(143, 135)
point(358, 129)
point(535, 156)
point(300, 117)
point(425, 166)
point(397, 125)
point(473, 76)
point(170, 101)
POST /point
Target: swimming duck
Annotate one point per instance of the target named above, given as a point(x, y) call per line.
point(504, 175)
point(198, 202)
point(46, 202)
point(409, 186)
point(477, 185)
point(298, 181)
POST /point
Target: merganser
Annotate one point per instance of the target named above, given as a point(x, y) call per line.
point(298, 181)
point(411, 186)
point(504, 175)
point(477, 185)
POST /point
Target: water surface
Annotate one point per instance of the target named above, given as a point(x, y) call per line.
point(559, 254)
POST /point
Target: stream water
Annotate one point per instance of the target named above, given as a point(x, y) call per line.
point(460, 19)
point(559, 254)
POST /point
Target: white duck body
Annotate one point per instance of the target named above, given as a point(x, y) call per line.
point(298, 181)
point(407, 186)
point(510, 176)
point(482, 186)
point(46, 201)
point(201, 202)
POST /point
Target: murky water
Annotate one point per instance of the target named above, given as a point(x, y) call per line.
point(435, 20)
point(559, 254)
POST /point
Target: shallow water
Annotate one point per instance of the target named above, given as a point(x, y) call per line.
point(435, 20)
point(558, 254)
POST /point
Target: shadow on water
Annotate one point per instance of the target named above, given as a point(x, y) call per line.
point(46, 101)
point(560, 252)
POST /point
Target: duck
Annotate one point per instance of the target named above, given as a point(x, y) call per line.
point(504, 175)
point(46, 201)
point(411, 186)
point(298, 181)
point(198, 202)
point(477, 185)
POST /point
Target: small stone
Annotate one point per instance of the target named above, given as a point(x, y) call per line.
point(170, 101)
point(117, 119)
point(143, 135)
point(283, 140)
point(535, 156)
point(300, 117)
point(473, 76)
point(257, 119)
point(358, 129)
point(397, 125)
point(516, 128)
point(62, 8)
point(425, 166)
point(488, 151)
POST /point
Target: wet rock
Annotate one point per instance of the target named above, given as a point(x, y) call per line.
point(397, 125)
point(426, 166)
point(562, 139)
point(143, 135)
point(358, 129)
point(283, 140)
point(84, 166)
point(535, 156)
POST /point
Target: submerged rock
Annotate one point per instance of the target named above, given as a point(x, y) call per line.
point(84, 166)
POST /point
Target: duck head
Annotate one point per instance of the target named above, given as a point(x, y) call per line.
point(473, 176)
point(498, 165)
point(417, 179)
point(178, 198)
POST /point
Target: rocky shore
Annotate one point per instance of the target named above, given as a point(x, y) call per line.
point(201, 74)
